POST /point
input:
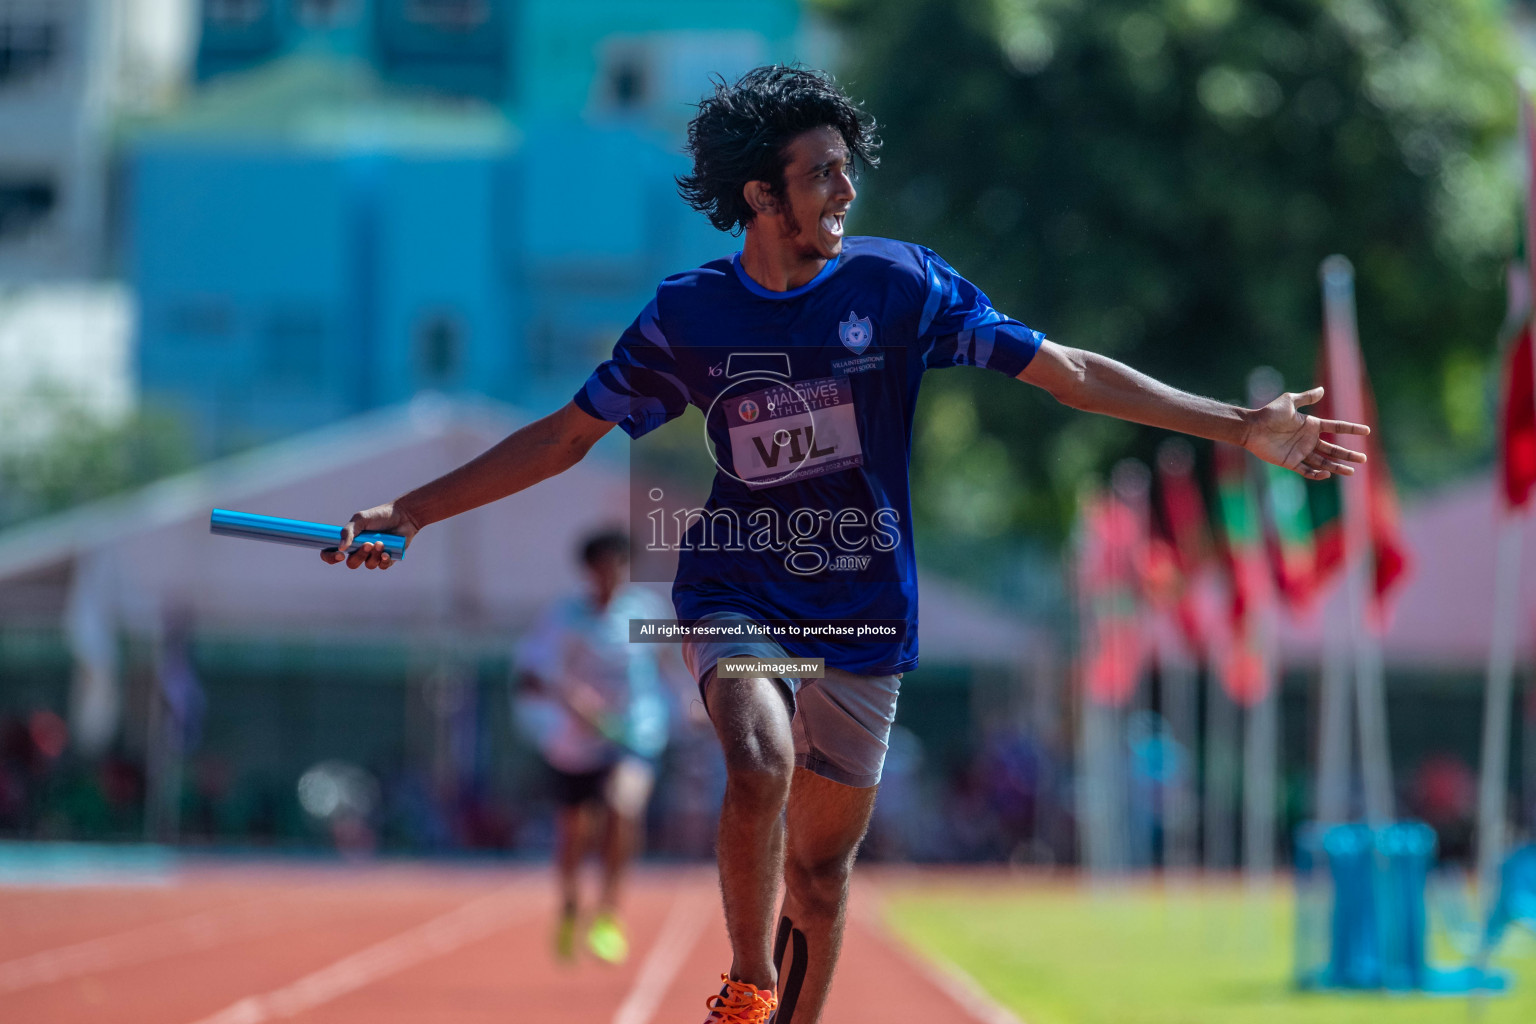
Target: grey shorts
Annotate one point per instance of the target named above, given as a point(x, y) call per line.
point(841, 723)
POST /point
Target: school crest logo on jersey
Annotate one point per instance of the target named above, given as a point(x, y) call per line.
point(856, 333)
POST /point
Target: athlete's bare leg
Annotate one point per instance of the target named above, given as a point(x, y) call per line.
point(572, 839)
point(624, 798)
point(751, 717)
point(826, 821)
point(619, 840)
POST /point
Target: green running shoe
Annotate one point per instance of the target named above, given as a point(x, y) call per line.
point(565, 939)
point(606, 939)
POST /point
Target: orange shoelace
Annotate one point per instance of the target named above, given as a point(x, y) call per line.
point(741, 1004)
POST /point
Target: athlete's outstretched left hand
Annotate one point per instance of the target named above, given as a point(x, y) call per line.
point(1284, 435)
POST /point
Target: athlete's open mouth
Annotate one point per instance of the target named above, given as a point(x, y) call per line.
point(832, 224)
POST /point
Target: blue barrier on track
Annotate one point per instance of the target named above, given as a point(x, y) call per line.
point(1361, 919)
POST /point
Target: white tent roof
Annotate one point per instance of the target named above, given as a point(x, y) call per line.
point(485, 572)
point(1442, 616)
point(495, 565)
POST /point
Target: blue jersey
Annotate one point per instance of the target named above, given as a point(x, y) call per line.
point(808, 397)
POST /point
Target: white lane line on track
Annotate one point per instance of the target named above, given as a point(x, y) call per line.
point(689, 913)
point(962, 989)
point(441, 935)
point(199, 931)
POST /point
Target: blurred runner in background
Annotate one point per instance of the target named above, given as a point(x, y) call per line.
point(596, 708)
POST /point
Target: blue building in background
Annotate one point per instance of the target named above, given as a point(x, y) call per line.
point(364, 199)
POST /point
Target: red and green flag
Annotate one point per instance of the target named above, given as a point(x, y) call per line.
point(1348, 396)
point(1517, 405)
point(1241, 533)
point(1288, 537)
point(1184, 527)
point(1517, 421)
point(1242, 665)
point(1112, 554)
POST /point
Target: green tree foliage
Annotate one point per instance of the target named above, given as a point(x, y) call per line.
point(1158, 181)
point(85, 456)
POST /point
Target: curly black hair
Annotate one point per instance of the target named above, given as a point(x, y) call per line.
point(740, 133)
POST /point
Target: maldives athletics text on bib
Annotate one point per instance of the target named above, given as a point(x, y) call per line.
point(793, 431)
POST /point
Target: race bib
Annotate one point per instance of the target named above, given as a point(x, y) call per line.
point(793, 431)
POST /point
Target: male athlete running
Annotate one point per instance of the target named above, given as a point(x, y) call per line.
point(805, 350)
point(596, 707)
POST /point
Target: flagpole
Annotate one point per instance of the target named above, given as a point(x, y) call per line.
point(1260, 757)
point(162, 822)
point(1176, 673)
point(1221, 729)
point(1261, 746)
point(1099, 823)
point(1497, 698)
point(1083, 791)
point(1498, 693)
point(1335, 724)
point(1345, 369)
point(1371, 712)
point(1183, 645)
point(1526, 702)
point(1131, 482)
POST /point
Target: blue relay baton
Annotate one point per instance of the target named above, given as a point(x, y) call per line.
point(229, 523)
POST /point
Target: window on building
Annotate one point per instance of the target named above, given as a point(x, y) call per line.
point(453, 14)
point(238, 13)
point(29, 43)
point(555, 347)
point(293, 344)
point(678, 66)
point(624, 78)
point(325, 13)
point(439, 345)
point(24, 206)
point(626, 84)
point(540, 351)
point(200, 318)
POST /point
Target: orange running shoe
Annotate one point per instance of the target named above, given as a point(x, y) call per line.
point(741, 1003)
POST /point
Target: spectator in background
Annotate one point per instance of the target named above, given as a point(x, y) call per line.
point(1010, 767)
point(30, 752)
point(1444, 796)
point(19, 763)
point(596, 708)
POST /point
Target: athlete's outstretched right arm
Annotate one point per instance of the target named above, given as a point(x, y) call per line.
point(533, 453)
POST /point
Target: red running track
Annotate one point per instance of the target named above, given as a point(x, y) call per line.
point(412, 944)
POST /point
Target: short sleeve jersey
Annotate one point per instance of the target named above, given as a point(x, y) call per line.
point(576, 643)
point(808, 397)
